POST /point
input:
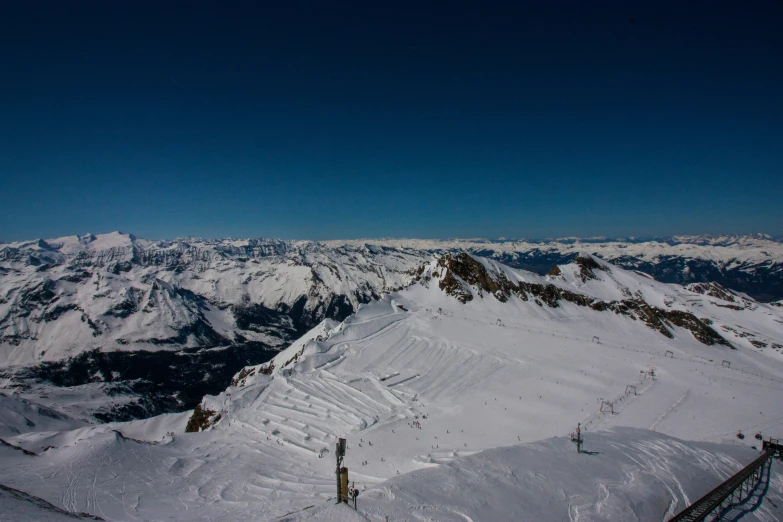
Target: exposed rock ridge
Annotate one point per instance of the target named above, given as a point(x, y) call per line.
point(462, 269)
point(717, 291)
point(201, 419)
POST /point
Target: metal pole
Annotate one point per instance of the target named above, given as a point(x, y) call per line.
point(337, 472)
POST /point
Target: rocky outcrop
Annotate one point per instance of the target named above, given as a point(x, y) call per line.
point(700, 330)
point(461, 270)
point(201, 419)
point(462, 274)
point(554, 271)
point(719, 292)
point(587, 266)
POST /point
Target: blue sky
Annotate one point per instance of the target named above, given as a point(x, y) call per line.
point(448, 120)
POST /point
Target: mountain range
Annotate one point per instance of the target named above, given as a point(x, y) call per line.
point(458, 396)
point(133, 327)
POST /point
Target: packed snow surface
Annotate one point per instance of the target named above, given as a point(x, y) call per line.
point(452, 412)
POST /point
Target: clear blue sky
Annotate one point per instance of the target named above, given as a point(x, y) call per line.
point(304, 120)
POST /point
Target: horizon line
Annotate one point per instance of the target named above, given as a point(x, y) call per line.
point(501, 239)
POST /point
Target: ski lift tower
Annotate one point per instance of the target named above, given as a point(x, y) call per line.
point(341, 473)
point(577, 439)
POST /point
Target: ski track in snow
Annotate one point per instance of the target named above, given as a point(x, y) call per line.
point(669, 409)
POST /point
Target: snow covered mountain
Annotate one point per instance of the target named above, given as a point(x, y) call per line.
point(751, 264)
point(592, 295)
point(65, 296)
point(457, 395)
point(116, 290)
point(149, 315)
point(135, 327)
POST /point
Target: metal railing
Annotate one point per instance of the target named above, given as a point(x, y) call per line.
point(702, 508)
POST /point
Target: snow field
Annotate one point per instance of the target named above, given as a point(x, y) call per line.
point(628, 474)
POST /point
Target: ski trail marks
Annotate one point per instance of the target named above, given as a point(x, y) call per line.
point(670, 409)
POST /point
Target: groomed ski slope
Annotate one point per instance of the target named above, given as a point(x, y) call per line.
point(418, 381)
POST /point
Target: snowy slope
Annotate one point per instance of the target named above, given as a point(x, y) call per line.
point(17, 505)
point(628, 474)
point(287, 356)
point(426, 379)
point(18, 415)
point(423, 343)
